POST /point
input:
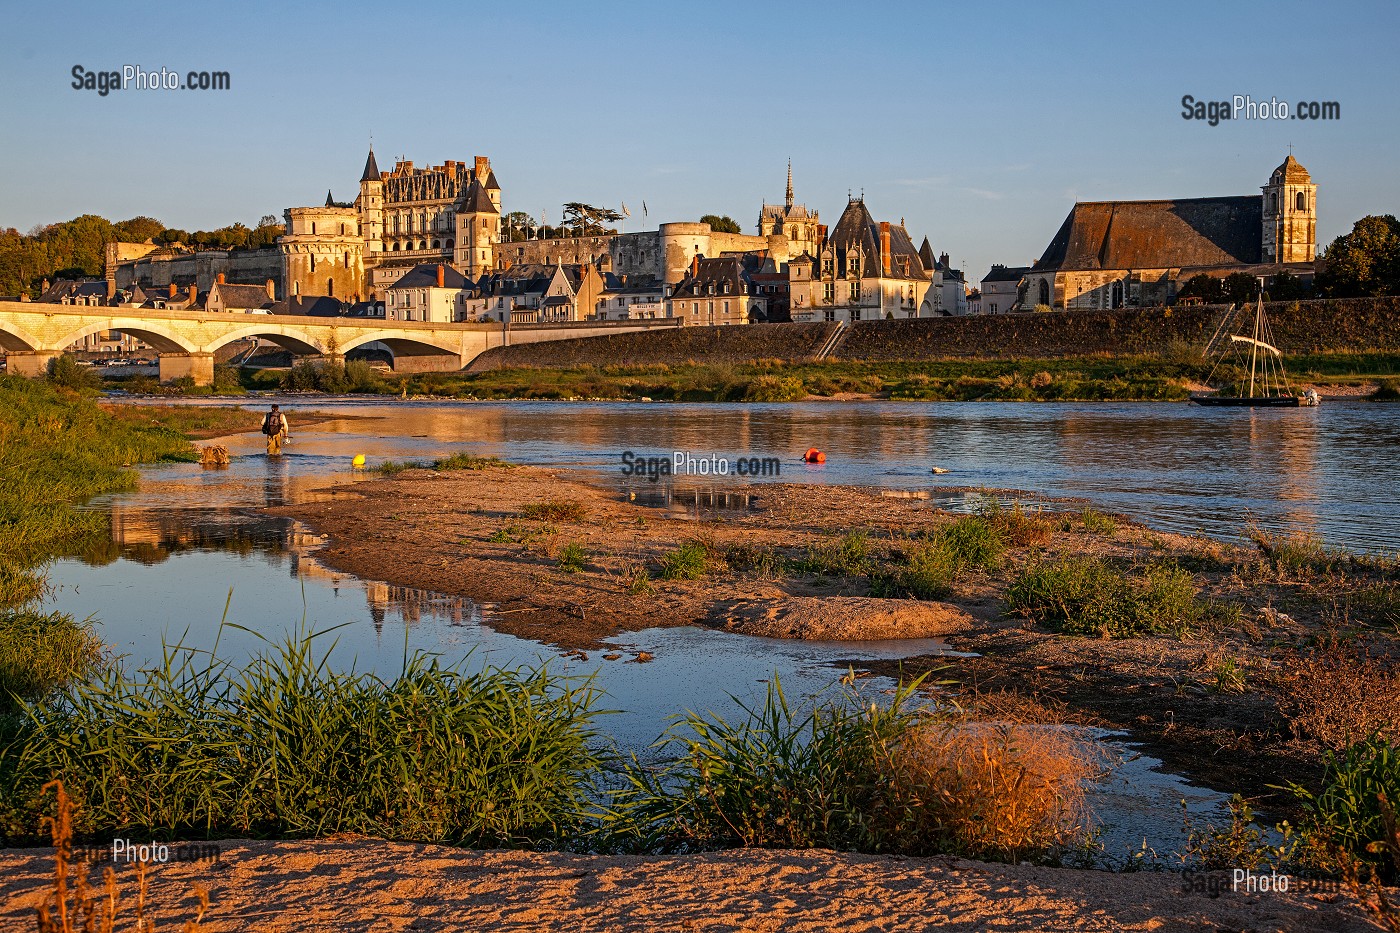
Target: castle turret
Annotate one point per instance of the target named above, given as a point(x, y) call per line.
point(370, 205)
point(478, 222)
point(1290, 214)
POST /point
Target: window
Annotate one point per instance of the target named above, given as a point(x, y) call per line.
point(855, 291)
point(829, 292)
point(1302, 201)
point(726, 306)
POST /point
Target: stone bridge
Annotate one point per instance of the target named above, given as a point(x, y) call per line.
point(32, 334)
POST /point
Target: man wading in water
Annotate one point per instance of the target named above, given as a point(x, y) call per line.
point(275, 427)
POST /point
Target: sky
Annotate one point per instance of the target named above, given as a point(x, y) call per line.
point(978, 124)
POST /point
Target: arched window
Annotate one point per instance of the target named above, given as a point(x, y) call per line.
point(347, 260)
point(1302, 201)
point(1044, 292)
point(451, 244)
point(437, 244)
point(313, 263)
point(313, 228)
point(396, 245)
point(1273, 202)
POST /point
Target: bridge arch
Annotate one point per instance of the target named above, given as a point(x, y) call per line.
point(288, 337)
point(14, 338)
point(163, 339)
point(399, 345)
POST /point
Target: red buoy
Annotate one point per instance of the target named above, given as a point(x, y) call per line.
point(814, 456)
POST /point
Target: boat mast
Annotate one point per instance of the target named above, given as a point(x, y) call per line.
point(1254, 347)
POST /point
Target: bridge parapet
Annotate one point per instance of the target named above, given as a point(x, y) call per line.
point(33, 333)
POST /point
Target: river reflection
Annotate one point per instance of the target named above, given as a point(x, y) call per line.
point(1328, 470)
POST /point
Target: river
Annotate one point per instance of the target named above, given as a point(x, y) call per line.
point(190, 548)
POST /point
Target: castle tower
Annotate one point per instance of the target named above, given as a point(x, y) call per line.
point(323, 252)
point(478, 222)
point(1290, 214)
point(370, 207)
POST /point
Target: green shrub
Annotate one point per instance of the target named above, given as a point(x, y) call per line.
point(1092, 596)
point(690, 561)
point(288, 746)
point(65, 372)
point(395, 467)
point(1388, 390)
point(1345, 818)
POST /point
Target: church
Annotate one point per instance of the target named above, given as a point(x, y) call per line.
point(1112, 254)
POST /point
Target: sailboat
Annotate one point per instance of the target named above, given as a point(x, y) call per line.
point(1268, 381)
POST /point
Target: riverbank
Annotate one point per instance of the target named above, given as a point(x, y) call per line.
point(1088, 378)
point(358, 883)
point(1219, 675)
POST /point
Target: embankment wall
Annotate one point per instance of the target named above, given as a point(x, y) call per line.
point(1352, 324)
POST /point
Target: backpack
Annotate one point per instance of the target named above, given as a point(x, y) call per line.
point(272, 423)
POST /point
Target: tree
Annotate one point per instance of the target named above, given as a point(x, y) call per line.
point(1204, 287)
point(1364, 263)
point(721, 223)
point(587, 220)
point(517, 226)
point(137, 230)
point(1240, 287)
point(1288, 287)
point(173, 235)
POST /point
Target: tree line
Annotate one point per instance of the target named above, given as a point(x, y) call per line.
point(77, 248)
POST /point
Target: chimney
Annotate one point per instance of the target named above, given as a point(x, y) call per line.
point(885, 247)
point(441, 276)
point(44, 286)
point(219, 278)
point(171, 291)
point(695, 265)
point(194, 295)
point(450, 168)
point(483, 165)
point(111, 289)
point(821, 237)
point(271, 290)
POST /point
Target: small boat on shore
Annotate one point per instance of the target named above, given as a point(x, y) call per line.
point(1267, 384)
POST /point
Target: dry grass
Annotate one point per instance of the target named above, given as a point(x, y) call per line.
point(1001, 790)
point(1342, 692)
point(556, 510)
point(80, 908)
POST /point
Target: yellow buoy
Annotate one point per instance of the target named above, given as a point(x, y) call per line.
point(359, 461)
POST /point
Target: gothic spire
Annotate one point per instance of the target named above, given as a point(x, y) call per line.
point(789, 187)
point(371, 172)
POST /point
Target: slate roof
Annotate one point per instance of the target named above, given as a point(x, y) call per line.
point(75, 288)
point(475, 200)
point(1157, 234)
point(725, 270)
point(424, 275)
point(1006, 273)
point(241, 296)
point(491, 183)
point(857, 232)
point(926, 255)
point(371, 172)
point(312, 306)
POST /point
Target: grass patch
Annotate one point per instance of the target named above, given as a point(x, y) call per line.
point(1097, 523)
point(556, 510)
point(395, 467)
point(690, 561)
point(925, 571)
point(288, 747)
point(572, 557)
point(42, 651)
point(1092, 596)
point(1340, 692)
point(469, 462)
point(848, 556)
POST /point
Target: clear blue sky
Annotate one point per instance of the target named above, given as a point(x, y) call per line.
point(979, 123)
